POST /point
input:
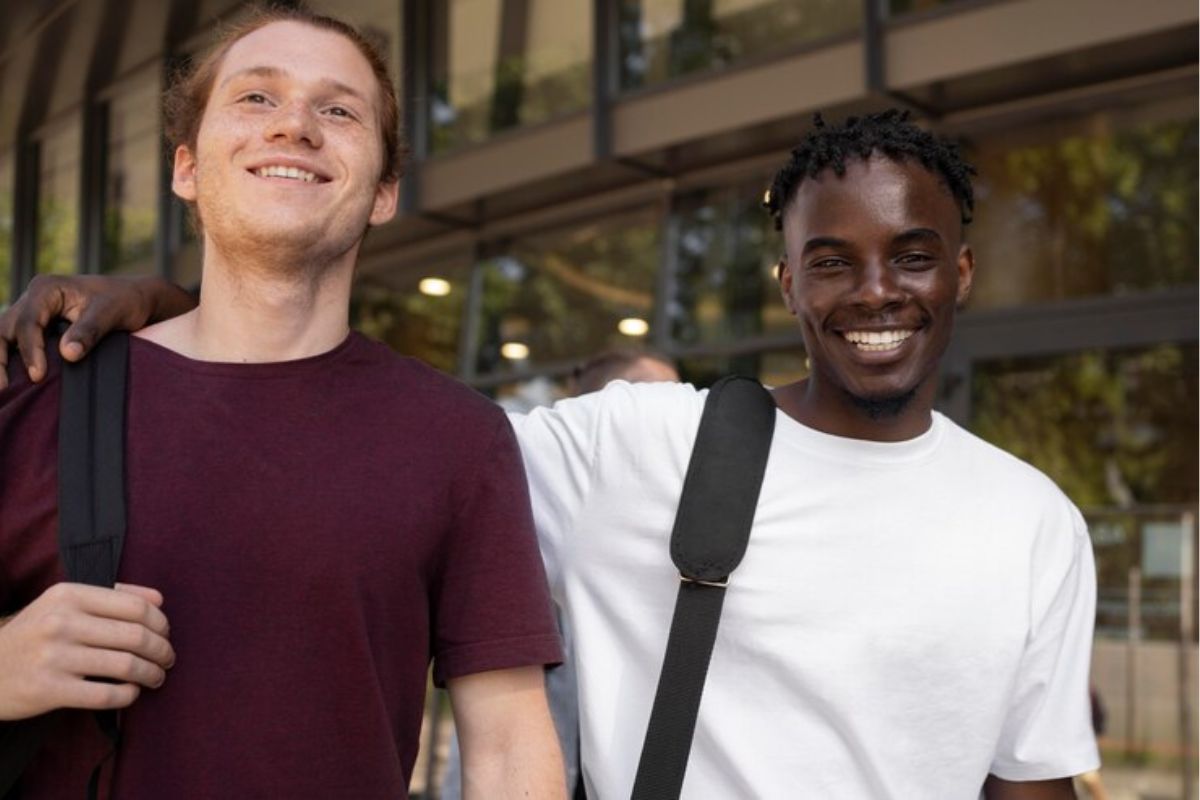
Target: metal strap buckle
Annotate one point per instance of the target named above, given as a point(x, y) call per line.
point(721, 584)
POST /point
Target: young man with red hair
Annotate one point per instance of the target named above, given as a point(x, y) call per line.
point(301, 544)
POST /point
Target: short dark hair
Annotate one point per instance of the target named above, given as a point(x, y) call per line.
point(608, 365)
point(888, 132)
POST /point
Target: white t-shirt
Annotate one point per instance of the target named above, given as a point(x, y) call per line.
point(909, 617)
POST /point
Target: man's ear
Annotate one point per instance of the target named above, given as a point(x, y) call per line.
point(784, 273)
point(966, 273)
point(386, 195)
point(183, 174)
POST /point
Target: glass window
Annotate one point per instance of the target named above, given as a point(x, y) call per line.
point(6, 226)
point(500, 64)
point(663, 39)
point(131, 185)
point(1103, 204)
point(417, 312)
point(725, 287)
point(1112, 428)
point(568, 294)
point(58, 201)
point(898, 7)
point(777, 368)
point(1117, 431)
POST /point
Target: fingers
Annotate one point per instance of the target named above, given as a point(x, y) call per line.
point(97, 696)
point(125, 605)
point(115, 665)
point(43, 300)
point(153, 596)
point(129, 638)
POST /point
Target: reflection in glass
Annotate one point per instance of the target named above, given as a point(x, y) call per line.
point(1112, 428)
point(725, 287)
point(399, 309)
point(131, 186)
point(898, 7)
point(772, 368)
point(1094, 206)
point(500, 64)
point(58, 201)
point(663, 39)
point(6, 226)
point(564, 293)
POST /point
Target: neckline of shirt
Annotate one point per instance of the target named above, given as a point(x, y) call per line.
point(860, 451)
point(235, 369)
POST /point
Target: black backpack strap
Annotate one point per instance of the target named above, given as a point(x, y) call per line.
point(91, 463)
point(91, 515)
point(712, 529)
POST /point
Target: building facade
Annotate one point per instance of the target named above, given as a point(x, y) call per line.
point(588, 173)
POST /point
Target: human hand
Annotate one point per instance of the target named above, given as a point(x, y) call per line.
point(73, 632)
point(94, 305)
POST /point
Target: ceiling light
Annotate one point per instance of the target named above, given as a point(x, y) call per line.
point(434, 287)
point(514, 351)
point(633, 326)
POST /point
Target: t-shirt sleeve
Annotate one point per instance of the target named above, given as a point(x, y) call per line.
point(491, 608)
point(558, 445)
point(1048, 731)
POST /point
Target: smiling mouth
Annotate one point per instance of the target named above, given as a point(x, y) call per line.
point(290, 173)
point(878, 341)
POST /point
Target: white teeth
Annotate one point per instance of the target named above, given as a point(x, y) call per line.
point(293, 173)
point(876, 341)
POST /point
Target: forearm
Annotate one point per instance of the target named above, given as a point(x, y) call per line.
point(517, 766)
point(999, 789)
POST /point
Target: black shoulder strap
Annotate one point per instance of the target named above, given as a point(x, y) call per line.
point(91, 513)
point(91, 463)
point(712, 529)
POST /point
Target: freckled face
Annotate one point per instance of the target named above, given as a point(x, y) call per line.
point(874, 270)
point(289, 154)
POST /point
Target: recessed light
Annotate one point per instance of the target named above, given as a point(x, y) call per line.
point(514, 351)
point(633, 326)
point(434, 287)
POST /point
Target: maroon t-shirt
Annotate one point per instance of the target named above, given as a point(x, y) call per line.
point(320, 530)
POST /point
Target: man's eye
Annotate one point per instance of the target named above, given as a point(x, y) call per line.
point(254, 97)
point(915, 259)
point(828, 263)
point(340, 111)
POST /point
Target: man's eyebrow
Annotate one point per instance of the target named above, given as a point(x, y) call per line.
point(817, 242)
point(337, 87)
point(916, 235)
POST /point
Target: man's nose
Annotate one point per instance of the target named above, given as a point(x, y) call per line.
point(877, 285)
point(295, 122)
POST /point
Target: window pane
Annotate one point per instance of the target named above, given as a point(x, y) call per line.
point(58, 201)
point(663, 39)
point(501, 64)
point(417, 312)
point(6, 226)
point(1117, 431)
point(1102, 204)
point(569, 294)
point(131, 186)
point(1112, 428)
point(771, 368)
point(899, 7)
point(725, 287)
